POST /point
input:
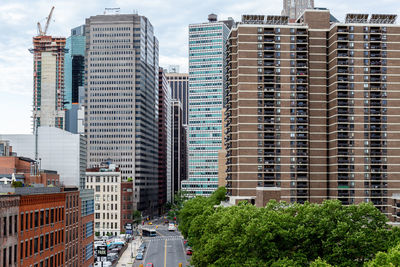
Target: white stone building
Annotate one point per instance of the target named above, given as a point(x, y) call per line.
point(106, 183)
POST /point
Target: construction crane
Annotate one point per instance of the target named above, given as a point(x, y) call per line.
point(41, 32)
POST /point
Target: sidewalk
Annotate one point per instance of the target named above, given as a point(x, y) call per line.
point(126, 260)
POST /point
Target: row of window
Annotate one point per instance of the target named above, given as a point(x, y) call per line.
point(39, 244)
point(41, 218)
point(8, 225)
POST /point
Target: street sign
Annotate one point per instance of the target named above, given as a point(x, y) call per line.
point(101, 251)
point(128, 226)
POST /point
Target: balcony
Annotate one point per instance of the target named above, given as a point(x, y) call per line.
point(302, 193)
point(375, 54)
point(269, 72)
point(301, 65)
point(343, 127)
point(269, 63)
point(342, 78)
point(302, 185)
point(269, 39)
point(343, 37)
point(340, 29)
point(301, 40)
point(375, 70)
point(343, 70)
point(343, 152)
point(343, 62)
point(375, 62)
point(342, 46)
point(301, 88)
point(343, 135)
point(343, 119)
point(301, 72)
point(343, 111)
point(301, 80)
point(301, 144)
point(269, 47)
point(301, 136)
point(301, 56)
point(343, 54)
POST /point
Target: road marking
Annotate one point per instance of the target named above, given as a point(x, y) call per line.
point(160, 233)
point(165, 254)
point(183, 248)
point(145, 252)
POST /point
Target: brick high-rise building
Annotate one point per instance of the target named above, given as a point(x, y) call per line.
point(121, 86)
point(312, 109)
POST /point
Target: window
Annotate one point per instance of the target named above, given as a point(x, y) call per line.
point(41, 243)
point(5, 226)
point(36, 219)
point(47, 216)
point(97, 188)
point(36, 243)
point(10, 226)
point(31, 220)
point(41, 217)
point(22, 223)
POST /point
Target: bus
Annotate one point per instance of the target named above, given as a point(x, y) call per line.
point(149, 232)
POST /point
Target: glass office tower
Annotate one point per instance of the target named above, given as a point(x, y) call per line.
point(206, 83)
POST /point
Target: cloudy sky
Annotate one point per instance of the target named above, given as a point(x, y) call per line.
point(170, 19)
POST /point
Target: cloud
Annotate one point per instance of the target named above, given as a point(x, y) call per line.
point(170, 19)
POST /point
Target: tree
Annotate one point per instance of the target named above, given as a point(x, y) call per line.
point(386, 259)
point(137, 216)
point(17, 184)
point(280, 233)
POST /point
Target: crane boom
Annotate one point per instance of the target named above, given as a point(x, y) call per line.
point(48, 21)
point(40, 32)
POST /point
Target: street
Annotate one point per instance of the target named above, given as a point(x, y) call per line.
point(164, 250)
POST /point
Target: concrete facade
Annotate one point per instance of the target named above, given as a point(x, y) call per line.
point(122, 99)
point(57, 150)
point(48, 77)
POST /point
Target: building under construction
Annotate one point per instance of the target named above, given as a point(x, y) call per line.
point(48, 77)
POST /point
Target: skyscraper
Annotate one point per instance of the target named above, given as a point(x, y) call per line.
point(294, 8)
point(74, 65)
point(206, 82)
point(75, 80)
point(122, 100)
point(178, 147)
point(179, 83)
point(312, 110)
point(164, 140)
point(48, 81)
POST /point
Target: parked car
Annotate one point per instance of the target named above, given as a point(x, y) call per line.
point(189, 251)
point(143, 245)
point(140, 250)
point(139, 256)
point(149, 264)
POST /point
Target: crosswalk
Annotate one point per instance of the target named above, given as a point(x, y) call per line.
point(165, 238)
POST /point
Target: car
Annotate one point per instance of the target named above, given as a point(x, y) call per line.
point(166, 221)
point(150, 223)
point(140, 250)
point(189, 251)
point(139, 256)
point(149, 264)
point(171, 227)
point(143, 245)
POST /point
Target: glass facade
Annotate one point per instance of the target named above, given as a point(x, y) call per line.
point(206, 99)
